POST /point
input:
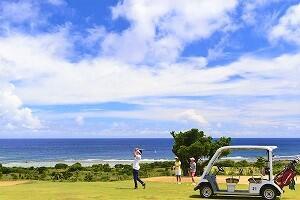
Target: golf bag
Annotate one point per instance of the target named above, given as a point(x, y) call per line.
point(286, 176)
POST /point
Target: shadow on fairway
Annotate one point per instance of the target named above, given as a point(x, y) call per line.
point(227, 197)
point(124, 188)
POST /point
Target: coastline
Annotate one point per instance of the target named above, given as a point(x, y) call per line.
point(85, 163)
point(113, 162)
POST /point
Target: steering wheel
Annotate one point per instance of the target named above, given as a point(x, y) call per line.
point(220, 169)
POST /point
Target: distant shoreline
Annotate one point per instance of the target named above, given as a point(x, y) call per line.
point(85, 163)
point(113, 162)
point(49, 152)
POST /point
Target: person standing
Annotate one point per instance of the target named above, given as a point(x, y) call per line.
point(193, 169)
point(136, 167)
point(177, 169)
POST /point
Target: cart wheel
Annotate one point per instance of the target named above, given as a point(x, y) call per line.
point(268, 193)
point(206, 191)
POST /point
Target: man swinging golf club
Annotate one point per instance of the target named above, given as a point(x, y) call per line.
point(136, 167)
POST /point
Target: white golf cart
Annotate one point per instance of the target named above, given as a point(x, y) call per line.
point(262, 186)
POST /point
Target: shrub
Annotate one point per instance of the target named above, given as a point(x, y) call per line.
point(106, 168)
point(75, 167)
point(61, 166)
point(104, 177)
point(89, 177)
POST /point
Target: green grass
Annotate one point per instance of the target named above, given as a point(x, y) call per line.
point(108, 190)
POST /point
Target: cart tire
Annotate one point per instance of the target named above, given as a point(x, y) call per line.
point(206, 191)
point(269, 193)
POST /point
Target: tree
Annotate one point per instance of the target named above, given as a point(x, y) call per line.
point(75, 167)
point(61, 166)
point(195, 143)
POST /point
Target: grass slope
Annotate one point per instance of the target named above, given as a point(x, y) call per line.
point(108, 190)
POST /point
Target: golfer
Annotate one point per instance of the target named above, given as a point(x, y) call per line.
point(193, 169)
point(136, 167)
point(177, 169)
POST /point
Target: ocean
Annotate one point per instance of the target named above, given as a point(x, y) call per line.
point(48, 152)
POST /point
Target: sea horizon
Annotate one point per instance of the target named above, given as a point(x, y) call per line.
point(39, 152)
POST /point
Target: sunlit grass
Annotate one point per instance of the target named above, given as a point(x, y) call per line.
point(108, 190)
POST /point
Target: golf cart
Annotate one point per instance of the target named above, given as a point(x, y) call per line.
point(267, 186)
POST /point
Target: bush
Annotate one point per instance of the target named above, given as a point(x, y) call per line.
point(61, 166)
point(42, 170)
point(106, 168)
point(89, 177)
point(242, 163)
point(104, 177)
point(75, 167)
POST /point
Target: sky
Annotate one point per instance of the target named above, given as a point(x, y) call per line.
point(128, 68)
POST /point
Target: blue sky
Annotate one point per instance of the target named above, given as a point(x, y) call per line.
point(144, 68)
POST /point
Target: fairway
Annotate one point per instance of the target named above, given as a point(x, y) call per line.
point(108, 190)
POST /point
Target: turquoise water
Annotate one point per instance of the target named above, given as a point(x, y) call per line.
point(93, 150)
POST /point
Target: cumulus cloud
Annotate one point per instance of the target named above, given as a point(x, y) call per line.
point(158, 29)
point(12, 112)
point(142, 60)
point(193, 115)
point(64, 82)
point(18, 12)
point(288, 28)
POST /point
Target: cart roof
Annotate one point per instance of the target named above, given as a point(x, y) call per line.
point(250, 147)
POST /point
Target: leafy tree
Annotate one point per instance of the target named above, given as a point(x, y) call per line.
point(260, 162)
point(75, 167)
point(61, 166)
point(195, 143)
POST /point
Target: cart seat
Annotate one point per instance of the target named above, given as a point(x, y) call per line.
point(254, 180)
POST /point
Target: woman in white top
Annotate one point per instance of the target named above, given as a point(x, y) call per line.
point(177, 169)
point(136, 167)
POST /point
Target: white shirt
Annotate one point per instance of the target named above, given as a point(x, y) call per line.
point(136, 162)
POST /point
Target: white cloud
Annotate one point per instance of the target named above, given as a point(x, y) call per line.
point(12, 113)
point(48, 78)
point(57, 2)
point(288, 28)
point(39, 68)
point(158, 29)
point(9, 126)
point(18, 12)
point(193, 115)
point(79, 120)
point(249, 14)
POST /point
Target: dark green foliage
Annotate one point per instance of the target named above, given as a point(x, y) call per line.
point(41, 170)
point(106, 168)
point(123, 169)
point(6, 170)
point(260, 163)
point(75, 167)
point(242, 163)
point(88, 177)
point(61, 166)
point(195, 143)
point(226, 163)
point(102, 172)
